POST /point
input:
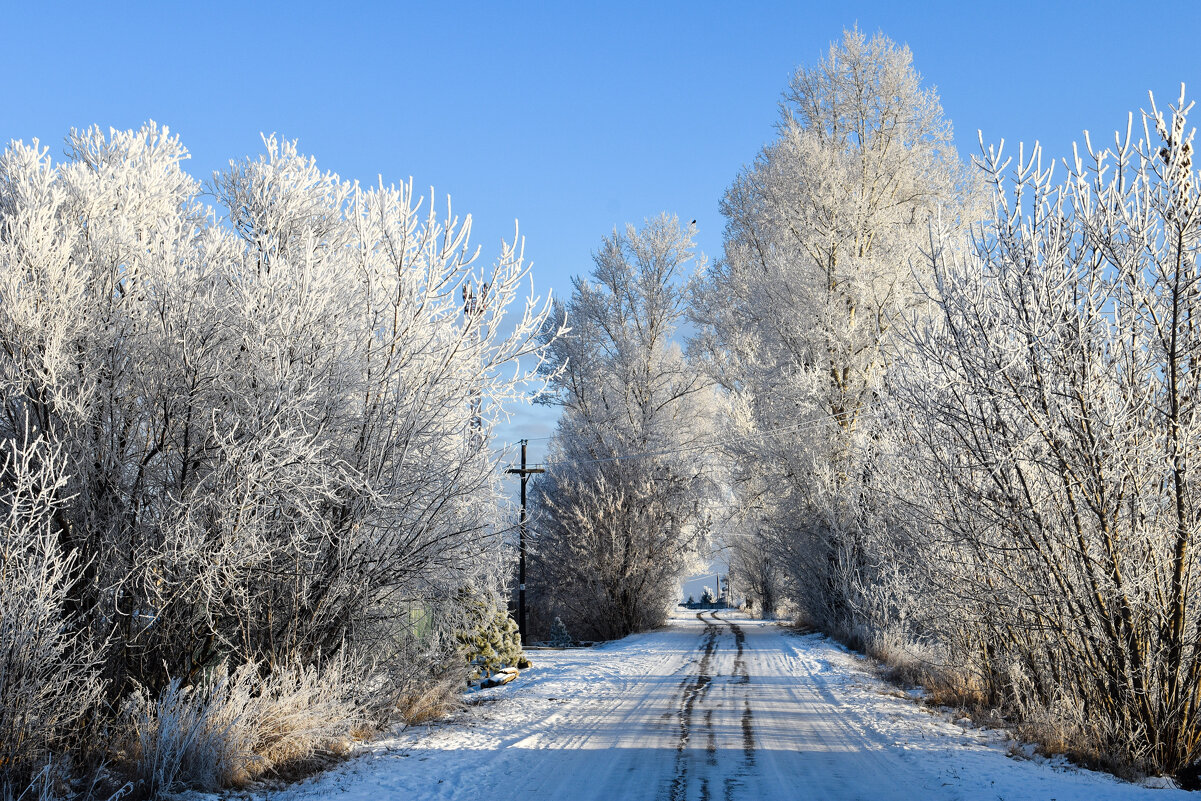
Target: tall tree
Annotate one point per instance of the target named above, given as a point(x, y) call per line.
point(798, 318)
point(619, 507)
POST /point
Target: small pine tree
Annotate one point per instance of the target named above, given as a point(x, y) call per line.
point(559, 636)
point(707, 597)
point(489, 638)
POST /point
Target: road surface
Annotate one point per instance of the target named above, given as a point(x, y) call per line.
point(715, 706)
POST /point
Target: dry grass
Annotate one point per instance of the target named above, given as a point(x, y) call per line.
point(1063, 730)
point(414, 684)
point(1083, 742)
point(433, 699)
point(245, 728)
point(237, 728)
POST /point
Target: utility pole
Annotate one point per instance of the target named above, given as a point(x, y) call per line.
point(525, 473)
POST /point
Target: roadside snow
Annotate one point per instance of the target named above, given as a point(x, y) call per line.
point(716, 708)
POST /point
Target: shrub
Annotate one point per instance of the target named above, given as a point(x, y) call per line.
point(48, 684)
point(238, 726)
point(490, 640)
point(559, 636)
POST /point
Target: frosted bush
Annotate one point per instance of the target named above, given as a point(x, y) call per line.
point(237, 726)
point(48, 682)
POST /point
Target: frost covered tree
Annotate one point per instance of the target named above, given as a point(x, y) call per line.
point(560, 637)
point(798, 320)
point(48, 681)
point(756, 568)
point(272, 427)
point(1053, 401)
point(620, 506)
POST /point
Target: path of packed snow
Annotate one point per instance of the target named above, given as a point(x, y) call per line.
point(725, 708)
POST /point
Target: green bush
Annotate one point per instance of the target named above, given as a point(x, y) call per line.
point(490, 640)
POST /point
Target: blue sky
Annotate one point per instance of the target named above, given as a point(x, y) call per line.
point(570, 117)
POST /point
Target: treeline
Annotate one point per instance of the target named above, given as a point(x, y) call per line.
point(245, 481)
point(977, 389)
point(959, 401)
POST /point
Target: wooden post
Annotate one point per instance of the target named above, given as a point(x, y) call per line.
point(525, 473)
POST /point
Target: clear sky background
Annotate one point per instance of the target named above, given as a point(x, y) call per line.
point(570, 117)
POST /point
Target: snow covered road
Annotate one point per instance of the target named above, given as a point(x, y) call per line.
point(712, 707)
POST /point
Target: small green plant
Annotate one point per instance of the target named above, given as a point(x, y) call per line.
point(559, 636)
point(489, 639)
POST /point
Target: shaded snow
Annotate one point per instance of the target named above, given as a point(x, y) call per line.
point(720, 709)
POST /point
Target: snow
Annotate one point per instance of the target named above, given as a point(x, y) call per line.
point(725, 708)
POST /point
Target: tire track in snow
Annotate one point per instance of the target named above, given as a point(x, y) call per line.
point(694, 773)
point(806, 722)
point(742, 676)
point(740, 671)
point(693, 689)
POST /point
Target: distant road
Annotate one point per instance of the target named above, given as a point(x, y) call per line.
point(716, 706)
